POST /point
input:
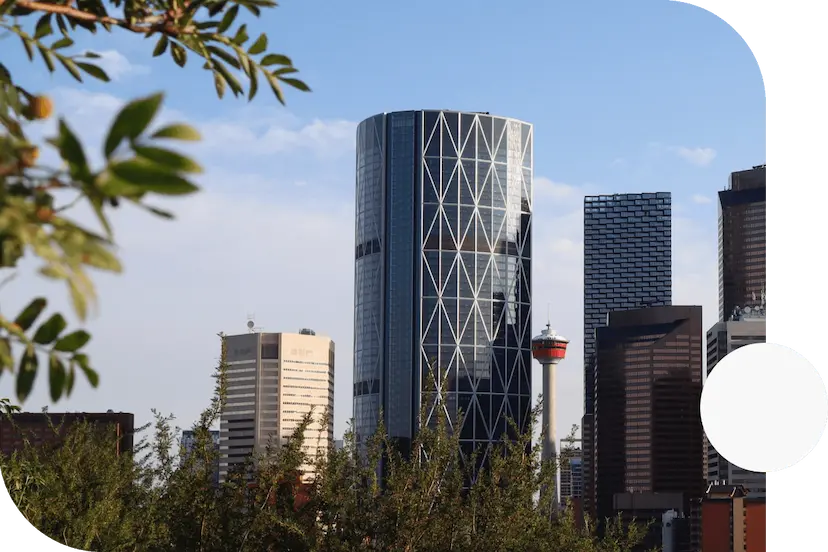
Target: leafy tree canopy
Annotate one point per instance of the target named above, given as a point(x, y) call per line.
point(85, 496)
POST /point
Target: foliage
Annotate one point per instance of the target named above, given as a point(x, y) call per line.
point(155, 500)
point(36, 201)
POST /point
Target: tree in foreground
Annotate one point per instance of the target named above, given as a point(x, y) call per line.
point(36, 200)
point(157, 499)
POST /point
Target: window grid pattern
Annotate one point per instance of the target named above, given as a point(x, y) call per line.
point(627, 265)
point(469, 258)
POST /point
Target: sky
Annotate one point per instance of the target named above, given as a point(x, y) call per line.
point(638, 96)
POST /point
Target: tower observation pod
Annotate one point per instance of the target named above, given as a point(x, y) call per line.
point(549, 349)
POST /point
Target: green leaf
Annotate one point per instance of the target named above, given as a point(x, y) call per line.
point(64, 42)
point(232, 81)
point(50, 330)
point(27, 45)
point(47, 59)
point(57, 377)
point(78, 300)
point(224, 55)
point(277, 89)
point(70, 380)
point(241, 36)
point(297, 84)
point(220, 83)
point(62, 26)
point(26, 374)
point(70, 343)
point(275, 59)
point(133, 119)
point(6, 359)
point(216, 8)
point(54, 272)
point(101, 258)
point(152, 178)
point(43, 27)
point(91, 55)
point(254, 83)
point(259, 46)
point(285, 71)
point(94, 71)
point(159, 212)
point(178, 132)
point(29, 315)
point(228, 19)
point(115, 187)
point(71, 67)
point(170, 159)
point(91, 375)
point(179, 54)
point(160, 46)
point(71, 151)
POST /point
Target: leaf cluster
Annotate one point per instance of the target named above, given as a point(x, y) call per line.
point(37, 199)
point(367, 496)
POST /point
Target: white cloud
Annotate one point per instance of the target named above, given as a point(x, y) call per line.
point(118, 66)
point(248, 133)
point(701, 157)
point(545, 188)
point(701, 199)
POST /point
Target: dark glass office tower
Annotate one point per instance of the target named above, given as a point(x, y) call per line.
point(648, 433)
point(627, 265)
point(443, 264)
point(742, 241)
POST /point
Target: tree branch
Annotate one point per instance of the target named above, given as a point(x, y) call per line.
point(157, 23)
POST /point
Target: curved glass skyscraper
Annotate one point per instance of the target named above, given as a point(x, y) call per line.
point(443, 265)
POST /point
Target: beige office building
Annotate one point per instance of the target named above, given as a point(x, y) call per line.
point(273, 380)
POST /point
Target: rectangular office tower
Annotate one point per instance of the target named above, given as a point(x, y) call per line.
point(742, 273)
point(647, 441)
point(627, 265)
point(746, 327)
point(443, 265)
point(273, 381)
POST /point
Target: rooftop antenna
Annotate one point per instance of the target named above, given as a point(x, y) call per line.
point(251, 324)
point(548, 315)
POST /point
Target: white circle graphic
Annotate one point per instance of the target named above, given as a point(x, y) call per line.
point(764, 407)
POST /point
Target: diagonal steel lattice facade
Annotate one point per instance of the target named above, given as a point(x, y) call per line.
point(443, 273)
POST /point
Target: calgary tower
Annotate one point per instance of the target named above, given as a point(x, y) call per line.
point(549, 349)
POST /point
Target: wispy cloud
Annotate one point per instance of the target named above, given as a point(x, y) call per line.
point(701, 199)
point(701, 157)
point(546, 188)
point(248, 133)
point(118, 66)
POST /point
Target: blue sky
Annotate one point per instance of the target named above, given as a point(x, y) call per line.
point(625, 96)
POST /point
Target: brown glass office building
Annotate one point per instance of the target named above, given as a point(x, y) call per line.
point(49, 429)
point(648, 432)
point(742, 241)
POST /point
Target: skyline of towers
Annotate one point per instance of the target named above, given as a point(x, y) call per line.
point(627, 265)
point(742, 303)
point(442, 272)
point(273, 380)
